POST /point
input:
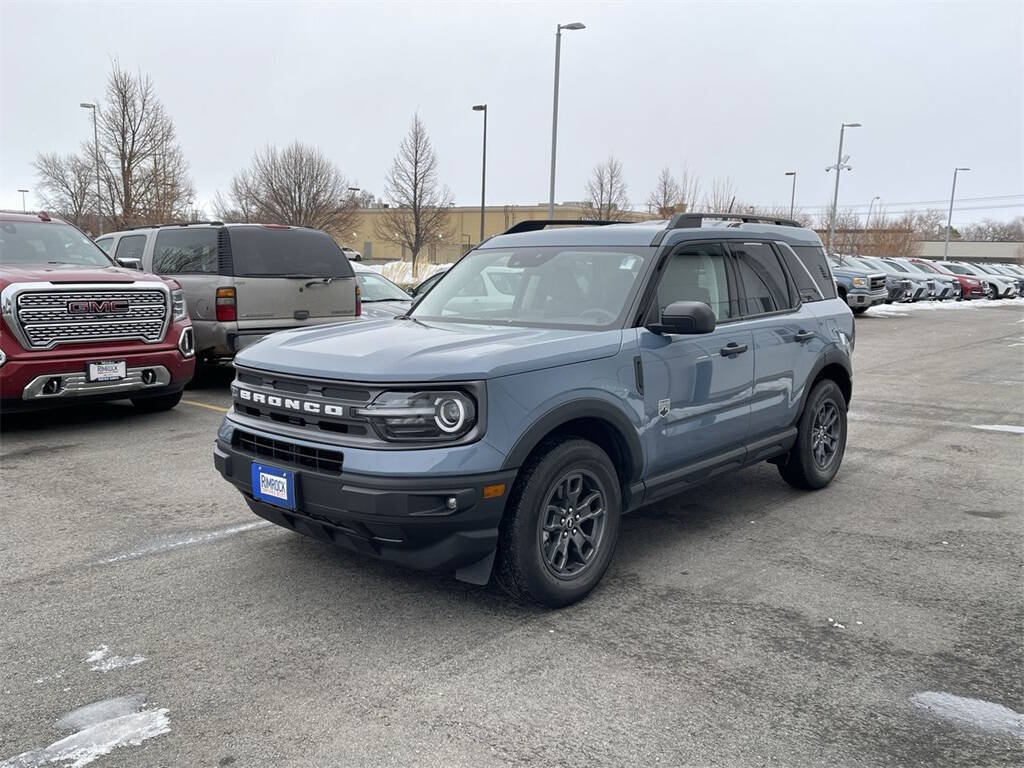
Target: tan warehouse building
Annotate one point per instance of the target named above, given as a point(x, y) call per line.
point(464, 229)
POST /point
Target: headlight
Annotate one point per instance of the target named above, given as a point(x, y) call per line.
point(178, 304)
point(860, 282)
point(3, 358)
point(421, 416)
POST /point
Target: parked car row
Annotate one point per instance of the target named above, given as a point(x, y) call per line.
point(865, 281)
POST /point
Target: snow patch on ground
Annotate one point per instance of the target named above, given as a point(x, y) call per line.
point(100, 660)
point(184, 541)
point(1014, 428)
point(896, 310)
point(976, 713)
point(101, 727)
point(401, 271)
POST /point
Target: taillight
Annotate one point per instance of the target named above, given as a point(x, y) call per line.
point(227, 310)
point(359, 300)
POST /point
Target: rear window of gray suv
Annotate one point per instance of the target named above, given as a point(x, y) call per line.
point(266, 251)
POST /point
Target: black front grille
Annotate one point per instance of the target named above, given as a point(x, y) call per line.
point(287, 452)
point(877, 283)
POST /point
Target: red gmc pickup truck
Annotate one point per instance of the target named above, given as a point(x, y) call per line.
point(78, 327)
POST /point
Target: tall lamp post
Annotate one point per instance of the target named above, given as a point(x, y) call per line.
point(792, 194)
point(838, 167)
point(949, 221)
point(24, 192)
point(96, 153)
point(483, 169)
point(554, 110)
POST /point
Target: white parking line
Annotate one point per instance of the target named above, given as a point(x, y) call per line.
point(1014, 428)
point(184, 542)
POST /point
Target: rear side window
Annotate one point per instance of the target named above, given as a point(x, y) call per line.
point(294, 252)
point(806, 287)
point(813, 257)
point(131, 247)
point(180, 251)
point(763, 278)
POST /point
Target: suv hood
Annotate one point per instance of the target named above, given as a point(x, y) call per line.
point(68, 273)
point(414, 351)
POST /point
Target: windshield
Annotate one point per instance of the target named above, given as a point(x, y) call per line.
point(927, 268)
point(545, 287)
point(286, 252)
point(852, 261)
point(376, 288)
point(47, 242)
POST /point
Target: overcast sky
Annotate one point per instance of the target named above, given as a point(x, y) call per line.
point(739, 90)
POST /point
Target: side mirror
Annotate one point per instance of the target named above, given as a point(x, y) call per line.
point(129, 263)
point(689, 317)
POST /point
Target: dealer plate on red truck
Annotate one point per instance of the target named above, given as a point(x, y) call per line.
point(107, 370)
point(274, 486)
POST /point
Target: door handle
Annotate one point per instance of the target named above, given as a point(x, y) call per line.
point(732, 349)
point(803, 336)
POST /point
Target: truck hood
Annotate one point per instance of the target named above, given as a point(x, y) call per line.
point(410, 350)
point(68, 273)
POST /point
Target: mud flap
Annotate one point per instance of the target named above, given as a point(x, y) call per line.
point(479, 572)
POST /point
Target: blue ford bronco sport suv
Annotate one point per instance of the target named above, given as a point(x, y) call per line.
point(510, 430)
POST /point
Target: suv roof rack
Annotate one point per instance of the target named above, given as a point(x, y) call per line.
point(533, 225)
point(170, 224)
point(691, 220)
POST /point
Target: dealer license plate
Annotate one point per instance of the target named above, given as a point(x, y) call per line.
point(274, 486)
point(107, 370)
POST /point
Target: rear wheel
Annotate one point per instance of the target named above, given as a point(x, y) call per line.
point(821, 439)
point(859, 310)
point(158, 403)
point(560, 528)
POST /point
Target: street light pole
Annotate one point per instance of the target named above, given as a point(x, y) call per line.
point(949, 221)
point(554, 111)
point(96, 153)
point(483, 170)
point(792, 194)
point(24, 192)
point(840, 164)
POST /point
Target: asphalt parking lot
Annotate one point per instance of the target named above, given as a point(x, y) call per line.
point(742, 624)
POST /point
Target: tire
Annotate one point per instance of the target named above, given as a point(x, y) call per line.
point(859, 310)
point(804, 467)
point(528, 557)
point(158, 403)
point(993, 293)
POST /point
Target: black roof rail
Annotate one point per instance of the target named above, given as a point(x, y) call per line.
point(534, 225)
point(692, 220)
point(171, 224)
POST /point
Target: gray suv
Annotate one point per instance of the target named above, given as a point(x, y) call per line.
point(243, 281)
point(624, 364)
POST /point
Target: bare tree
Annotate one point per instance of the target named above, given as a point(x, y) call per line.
point(721, 196)
point(418, 203)
point(890, 236)
point(143, 170)
point(664, 198)
point(992, 230)
point(607, 189)
point(66, 186)
point(689, 190)
point(298, 186)
point(930, 224)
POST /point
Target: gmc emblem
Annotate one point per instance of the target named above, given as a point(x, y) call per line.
point(108, 307)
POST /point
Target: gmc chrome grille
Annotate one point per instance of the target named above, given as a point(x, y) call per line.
point(46, 318)
point(877, 283)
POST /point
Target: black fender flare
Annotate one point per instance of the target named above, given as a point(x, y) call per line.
point(833, 355)
point(583, 408)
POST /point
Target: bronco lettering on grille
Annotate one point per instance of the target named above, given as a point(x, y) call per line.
point(290, 403)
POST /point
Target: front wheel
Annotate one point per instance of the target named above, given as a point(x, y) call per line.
point(821, 439)
point(561, 525)
point(859, 310)
point(158, 403)
point(993, 292)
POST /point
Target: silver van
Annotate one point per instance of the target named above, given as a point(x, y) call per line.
point(243, 281)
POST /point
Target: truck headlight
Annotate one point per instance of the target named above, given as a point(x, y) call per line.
point(419, 416)
point(178, 304)
point(3, 358)
point(860, 282)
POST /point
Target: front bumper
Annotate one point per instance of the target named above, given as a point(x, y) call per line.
point(151, 371)
point(860, 298)
point(409, 520)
